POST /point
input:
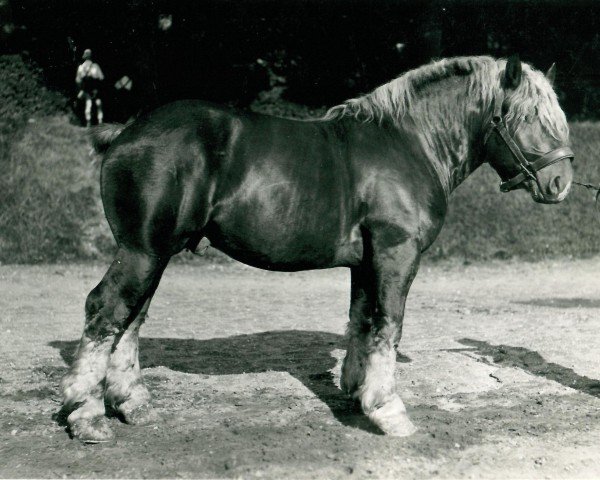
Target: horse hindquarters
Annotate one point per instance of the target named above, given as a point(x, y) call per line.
point(136, 205)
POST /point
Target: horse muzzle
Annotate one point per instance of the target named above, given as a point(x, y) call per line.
point(528, 170)
point(556, 192)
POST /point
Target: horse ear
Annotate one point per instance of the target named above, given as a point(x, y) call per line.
point(512, 74)
point(551, 74)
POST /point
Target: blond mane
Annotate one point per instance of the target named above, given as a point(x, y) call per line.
point(400, 98)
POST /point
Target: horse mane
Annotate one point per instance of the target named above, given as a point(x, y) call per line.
point(398, 99)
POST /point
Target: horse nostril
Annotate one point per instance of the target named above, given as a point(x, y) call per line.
point(556, 186)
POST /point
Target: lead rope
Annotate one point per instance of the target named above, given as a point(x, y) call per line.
point(589, 186)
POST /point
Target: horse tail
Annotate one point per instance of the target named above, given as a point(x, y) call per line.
point(103, 136)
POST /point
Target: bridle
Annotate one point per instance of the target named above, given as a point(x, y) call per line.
point(527, 169)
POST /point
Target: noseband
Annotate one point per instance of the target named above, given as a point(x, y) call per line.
point(527, 169)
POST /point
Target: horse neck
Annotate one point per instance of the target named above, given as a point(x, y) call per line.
point(448, 125)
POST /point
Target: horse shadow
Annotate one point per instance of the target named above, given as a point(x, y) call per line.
point(531, 362)
point(306, 355)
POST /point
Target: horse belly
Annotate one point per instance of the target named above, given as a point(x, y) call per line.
point(275, 244)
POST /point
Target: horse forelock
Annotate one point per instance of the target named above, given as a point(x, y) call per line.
point(535, 96)
point(398, 98)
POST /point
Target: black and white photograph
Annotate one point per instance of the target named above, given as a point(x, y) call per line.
point(300, 239)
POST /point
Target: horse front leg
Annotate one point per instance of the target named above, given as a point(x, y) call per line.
point(379, 290)
point(361, 300)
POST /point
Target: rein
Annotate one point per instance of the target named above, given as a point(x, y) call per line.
point(589, 186)
point(527, 169)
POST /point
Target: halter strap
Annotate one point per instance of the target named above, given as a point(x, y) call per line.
point(527, 169)
point(546, 160)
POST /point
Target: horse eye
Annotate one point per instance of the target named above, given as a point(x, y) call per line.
point(530, 117)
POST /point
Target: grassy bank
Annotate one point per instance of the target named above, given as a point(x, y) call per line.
point(484, 223)
point(49, 200)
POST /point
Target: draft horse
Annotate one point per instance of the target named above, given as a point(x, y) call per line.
point(365, 187)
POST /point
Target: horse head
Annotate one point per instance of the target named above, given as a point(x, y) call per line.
point(526, 140)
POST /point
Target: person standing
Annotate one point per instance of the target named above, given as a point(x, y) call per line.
point(89, 80)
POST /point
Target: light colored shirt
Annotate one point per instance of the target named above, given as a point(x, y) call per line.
point(88, 69)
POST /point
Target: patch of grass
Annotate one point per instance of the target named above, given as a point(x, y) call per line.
point(49, 196)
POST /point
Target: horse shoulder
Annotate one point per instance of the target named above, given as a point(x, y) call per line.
point(402, 198)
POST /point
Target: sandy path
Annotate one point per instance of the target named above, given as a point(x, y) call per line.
point(499, 371)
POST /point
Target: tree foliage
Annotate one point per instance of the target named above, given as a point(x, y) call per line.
point(229, 50)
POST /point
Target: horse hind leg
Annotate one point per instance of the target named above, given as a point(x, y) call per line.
point(126, 392)
point(110, 307)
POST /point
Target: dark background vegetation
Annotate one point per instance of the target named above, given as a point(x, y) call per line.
point(324, 50)
point(287, 57)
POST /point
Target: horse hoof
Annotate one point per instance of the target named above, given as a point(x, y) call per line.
point(139, 415)
point(91, 430)
point(392, 419)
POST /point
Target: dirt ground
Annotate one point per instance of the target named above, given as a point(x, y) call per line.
point(498, 369)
